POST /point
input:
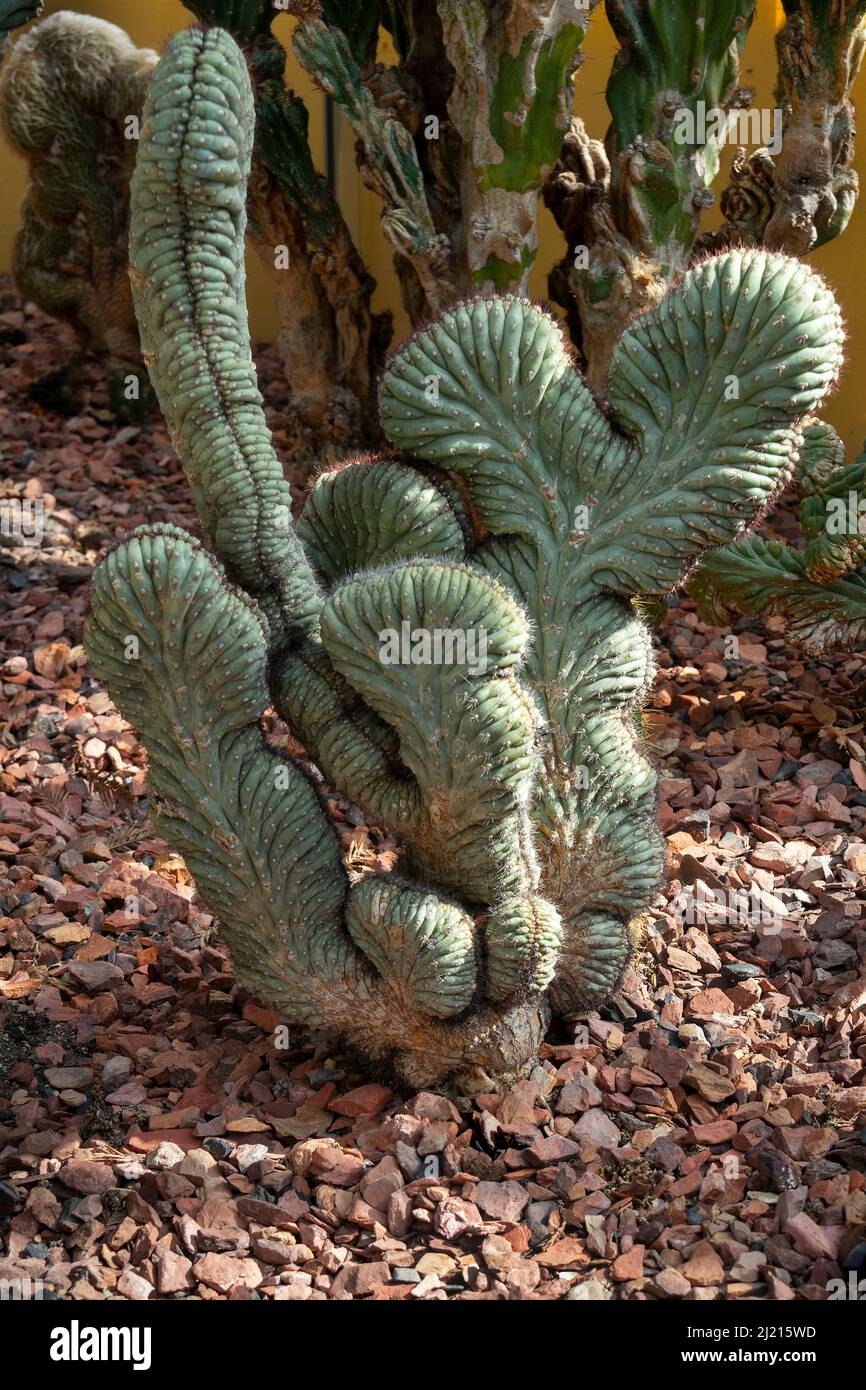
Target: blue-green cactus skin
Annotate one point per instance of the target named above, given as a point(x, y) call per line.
point(510, 768)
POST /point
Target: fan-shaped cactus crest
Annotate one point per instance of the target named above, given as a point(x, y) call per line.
point(448, 630)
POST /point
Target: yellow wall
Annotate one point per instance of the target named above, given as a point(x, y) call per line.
point(843, 262)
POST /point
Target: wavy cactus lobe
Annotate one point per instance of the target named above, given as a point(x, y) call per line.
point(509, 769)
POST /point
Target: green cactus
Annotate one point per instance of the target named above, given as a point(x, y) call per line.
point(506, 759)
point(66, 92)
point(674, 56)
point(820, 591)
point(631, 208)
point(804, 195)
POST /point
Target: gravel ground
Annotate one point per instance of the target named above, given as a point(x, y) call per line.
point(163, 1137)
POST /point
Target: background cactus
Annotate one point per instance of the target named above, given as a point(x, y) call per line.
point(67, 90)
point(804, 196)
point(515, 783)
point(630, 207)
point(472, 122)
point(820, 590)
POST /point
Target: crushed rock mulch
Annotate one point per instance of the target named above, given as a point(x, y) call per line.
point(161, 1137)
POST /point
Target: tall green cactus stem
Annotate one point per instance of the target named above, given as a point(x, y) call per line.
point(510, 104)
point(67, 91)
point(509, 765)
point(187, 270)
point(674, 56)
point(390, 165)
point(804, 195)
point(631, 208)
point(330, 342)
point(820, 591)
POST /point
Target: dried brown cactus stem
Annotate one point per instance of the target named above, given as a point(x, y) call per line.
point(805, 195)
point(323, 305)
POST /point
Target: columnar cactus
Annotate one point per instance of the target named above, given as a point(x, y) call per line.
point(449, 631)
point(803, 195)
point(631, 207)
point(820, 590)
point(67, 90)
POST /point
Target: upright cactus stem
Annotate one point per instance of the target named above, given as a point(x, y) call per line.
point(803, 195)
point(450, 630)
point(510, 104)
point(389, 165)
point(631, 208)
point(675, 57)
point(68, 91)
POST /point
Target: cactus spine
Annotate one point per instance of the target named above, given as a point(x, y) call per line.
point(509, 769)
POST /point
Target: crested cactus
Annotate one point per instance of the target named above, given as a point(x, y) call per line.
point(449, 631)
point(820, 590)
point(67, 92)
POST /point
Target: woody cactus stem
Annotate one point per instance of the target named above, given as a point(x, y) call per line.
point(495, 108)
point(67, 92)
point(820, 590)
point(804, 195)
point(630, 209)
point(510, 104)
point(501, 747)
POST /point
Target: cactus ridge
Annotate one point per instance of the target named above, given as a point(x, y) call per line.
point(506, 759)
point(187, 254)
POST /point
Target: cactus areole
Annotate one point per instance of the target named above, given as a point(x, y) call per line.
point(449, 630)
